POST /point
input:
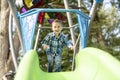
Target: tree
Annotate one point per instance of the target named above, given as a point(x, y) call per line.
point(105, 30)
point(4, 44)
point(6, 63)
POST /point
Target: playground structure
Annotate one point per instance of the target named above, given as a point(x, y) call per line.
point(83, 58)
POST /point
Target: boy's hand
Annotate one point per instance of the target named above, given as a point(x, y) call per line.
point(45, 46)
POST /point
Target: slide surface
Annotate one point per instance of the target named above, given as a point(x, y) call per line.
point(91, 64)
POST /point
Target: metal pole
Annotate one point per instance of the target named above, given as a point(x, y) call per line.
point(11, 42)
point(37, 38)
point(92, 14)
point(79, 3)
point(13, 9)
point(69, 17)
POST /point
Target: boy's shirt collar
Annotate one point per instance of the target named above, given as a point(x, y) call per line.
point(53, 34)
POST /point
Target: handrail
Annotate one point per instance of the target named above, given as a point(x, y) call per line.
point(37, 10)
point(12, 48)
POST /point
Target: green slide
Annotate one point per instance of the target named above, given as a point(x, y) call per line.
point(91, 64)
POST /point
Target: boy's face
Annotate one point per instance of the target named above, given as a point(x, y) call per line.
point(56, 27)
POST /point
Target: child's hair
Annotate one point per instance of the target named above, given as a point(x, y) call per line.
point(57, 21)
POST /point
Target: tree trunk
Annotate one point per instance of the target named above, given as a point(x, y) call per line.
point(100, 38)
point(6, 62)
point(4, 47)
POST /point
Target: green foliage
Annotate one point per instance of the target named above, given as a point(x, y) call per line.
point(107, 23)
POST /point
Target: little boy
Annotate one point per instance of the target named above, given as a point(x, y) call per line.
point(53, 44)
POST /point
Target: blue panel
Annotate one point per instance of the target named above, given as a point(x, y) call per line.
point(83, 27)
point(28, 26)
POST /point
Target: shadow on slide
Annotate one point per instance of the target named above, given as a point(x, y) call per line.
point(91, 64)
